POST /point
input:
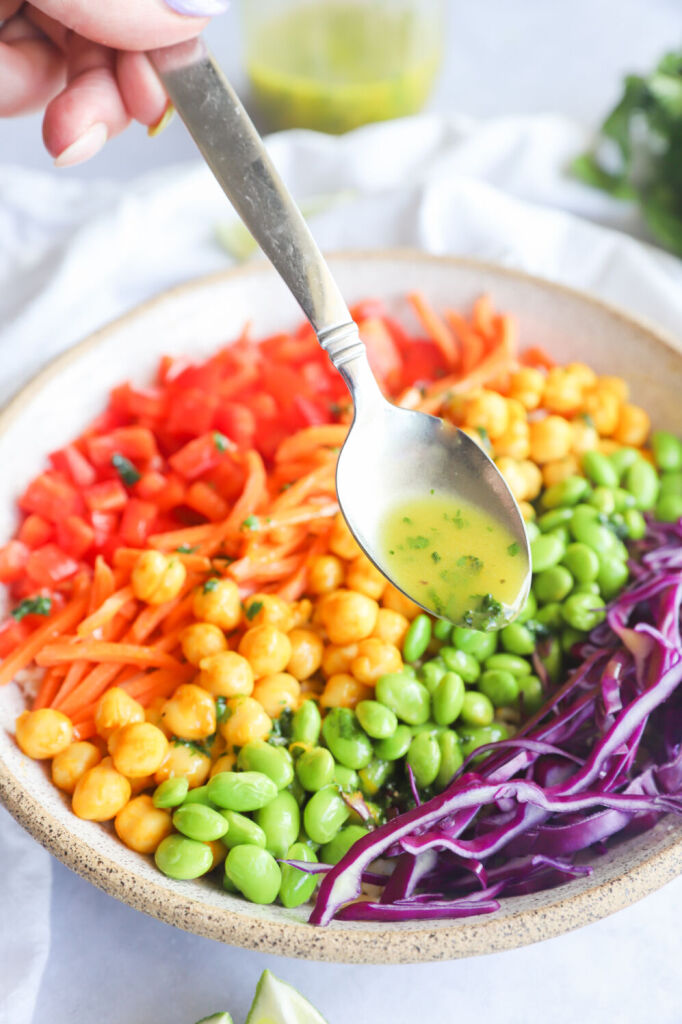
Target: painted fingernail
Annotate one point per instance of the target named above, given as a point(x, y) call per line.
point(85, 146)
point(199, 8)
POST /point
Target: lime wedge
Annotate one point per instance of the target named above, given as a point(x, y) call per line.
point(216, 1018)
point(275, 1002)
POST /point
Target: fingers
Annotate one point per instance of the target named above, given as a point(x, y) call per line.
point(8, 8)
point(89, 110)
point(125, 24)
point(31, 69)
point(142, 92)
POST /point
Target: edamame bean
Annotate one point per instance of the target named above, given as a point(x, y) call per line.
point(558, 517)
point(613, 575)
point(297, 791)
point(462, 663)
point(432, 672)
point(450, 757)
point(280, 820)
point(635, 523)
point(623, 500)
point(407, 698)
point(587, 588)
point(603, 499)
point(275, 762)
point(197, 821)
point(396, 746)
point(532, 530)
point(552, 585)
point(337, 848)
point(442, 630)
point(477, 709)
point(376, 719)
point(622, 459)
point(583, 611)
point(600, 469)
point(306, 723)
point(374, 776)
point(570, 637)
point(346, 779)
point(582, 516)
point(641, 480)
point(509, 663)
point(567, 492)
point(528, 612)
point(581, 561)
point(502, 688)
point(324, 814)
point(241, 791)
point(423, 758)
point(531, 696)
point(417, 638)
point(254, 872)
point(516, 638)
point(472, 641)
point(667, 450)
point(171, 792)
point(182, 858)
point(472, 738)
point(546, 550)
point(550, 616)
point(198, 795)
point(669, 508)
point(241, 829)
point(599, 538)
point(551, 656)
point(448, 698)
point(346, 740)
point(315, 769)
point(297, 886)
point(671, 483)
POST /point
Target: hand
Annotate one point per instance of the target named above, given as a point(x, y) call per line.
point(83, 63)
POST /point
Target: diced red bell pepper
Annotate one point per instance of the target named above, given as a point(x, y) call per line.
point(49, 565)
point(12, 633)
point(207, 502)
point(136, 443)
point(106, 496)
point(75, 536)
point(35, 531)
point(137, 522)
point(104, 524)
point(191, 412)
point(237, 423)
point(172, 495)
point(51, 496)
point(311, 413)
point(198, 456)
point(13, 559)
point(228, 478)
point(145, 403)
point(74, 465)
point(150, 485)
point(367, 308)
point(262, 405)
point(422, 361)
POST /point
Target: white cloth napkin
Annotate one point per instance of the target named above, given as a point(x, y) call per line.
point(75, 254)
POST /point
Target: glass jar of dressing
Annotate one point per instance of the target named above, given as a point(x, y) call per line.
point(332, 65)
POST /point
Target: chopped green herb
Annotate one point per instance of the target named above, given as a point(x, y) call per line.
point(406, 519)
point(32, 606)
point(220, 441)
point(125, 469)
point(281, 729)
point(287, 485)
point(470, 562)
point(198, 748)
point(253, 609)
point(513, 549)
point(434, 556)
point(250, 523)
point(210, 585)
point(418, 542)
point(222, 712)
point(187, 549)
point(432, 491)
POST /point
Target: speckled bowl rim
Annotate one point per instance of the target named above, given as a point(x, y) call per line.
point(566, 909)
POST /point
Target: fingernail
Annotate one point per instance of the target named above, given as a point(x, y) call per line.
point(163, 122)
point(85, 146)
point(199, 8)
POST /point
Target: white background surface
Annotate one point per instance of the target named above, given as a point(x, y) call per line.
point(111, 965)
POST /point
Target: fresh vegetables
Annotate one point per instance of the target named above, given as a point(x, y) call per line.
point(240, 689)
point(638, 154)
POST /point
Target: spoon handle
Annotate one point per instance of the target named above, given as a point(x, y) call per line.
point(233, 149)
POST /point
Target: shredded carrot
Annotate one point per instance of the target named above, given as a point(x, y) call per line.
point(102, 651)
point(537, 356)
point(22, 656)
point(51, 682)
point(437, 329)
point(126, 558)
point(482, 316)
point(106, 611)
point(305, 441)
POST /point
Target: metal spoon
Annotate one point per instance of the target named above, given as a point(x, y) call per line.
point(390, 453)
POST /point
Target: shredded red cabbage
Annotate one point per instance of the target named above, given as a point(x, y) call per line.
point(602, 757)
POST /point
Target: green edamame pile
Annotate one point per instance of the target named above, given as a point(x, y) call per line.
point(321, 783)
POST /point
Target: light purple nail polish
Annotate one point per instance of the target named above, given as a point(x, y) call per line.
point(199, 8)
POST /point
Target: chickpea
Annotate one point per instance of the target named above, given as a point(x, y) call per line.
point(217, 602)
point(306, 653)
point(487, 410)
point(391, 627)
point(341, 540)
point(269, 610)
point(348, 617)
point(215, 745)
point(190, 713)
point(607, 446)
point(301, 612)
point(481, 438)
point(266, 648)
point(397, 602)
point(201, 640)
point(219, 851)
point(532, 477)
point(141, 825)
point(156, 578)
point(563, 391)
point(604, 407)
point(515, 477)
point(226, 674)
point(100, 793)
point(555, 472)
point(527, 511)
point(43, 733)
point(225, 763)
point(325, 574)
point(343, 691)
point(71, 764)
point(140, 784)
point(365, 578)
point(247, 721)
point(526, 386)
point(154, 713)
point(584, 373)
point(375, 658)
point(138, 749)
point(276, 692)
point(184, 760)
point(616, 385)
point(584, 437)
point(515, 441)
point(115, 709)
point(550, 439)
point(338, 658)
point(633, 426)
